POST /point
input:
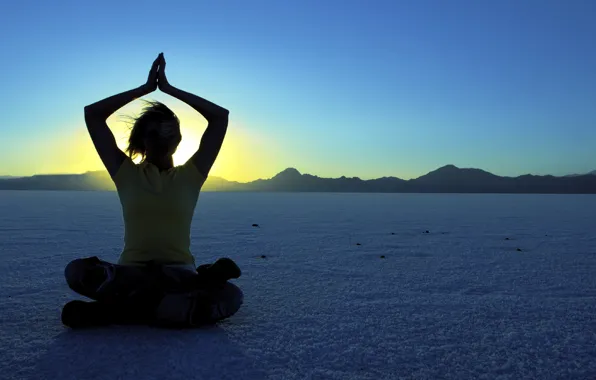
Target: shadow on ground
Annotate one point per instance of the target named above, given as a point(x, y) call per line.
point(138, 352)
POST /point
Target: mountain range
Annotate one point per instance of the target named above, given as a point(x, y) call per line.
point(593, 172)
point(447, 179)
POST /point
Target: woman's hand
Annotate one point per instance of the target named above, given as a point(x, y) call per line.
point(162, 81)
point(151, 84)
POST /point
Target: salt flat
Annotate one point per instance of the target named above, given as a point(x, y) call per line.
point(458, 302)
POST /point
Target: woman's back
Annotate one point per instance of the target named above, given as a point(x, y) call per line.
point(157, 207)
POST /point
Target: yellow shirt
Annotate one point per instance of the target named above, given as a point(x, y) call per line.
point(157, 209)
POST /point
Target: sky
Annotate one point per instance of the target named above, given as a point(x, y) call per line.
point(331, 88)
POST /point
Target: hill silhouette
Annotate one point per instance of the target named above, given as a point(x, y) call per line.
point(447, 179)
point(593, 172)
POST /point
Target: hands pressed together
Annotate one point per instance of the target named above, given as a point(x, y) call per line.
point(157, 76)
point(157, 79)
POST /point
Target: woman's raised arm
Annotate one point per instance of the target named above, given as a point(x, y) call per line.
point(97, 113)
point(217, 119)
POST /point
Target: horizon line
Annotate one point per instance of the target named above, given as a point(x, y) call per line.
point(6, 176)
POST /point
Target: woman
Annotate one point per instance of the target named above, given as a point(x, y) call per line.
point(155, 280)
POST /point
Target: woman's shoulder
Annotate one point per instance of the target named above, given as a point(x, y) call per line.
point(189, 172)
point(127, 167)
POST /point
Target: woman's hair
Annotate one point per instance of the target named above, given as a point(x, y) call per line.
point(156, 129)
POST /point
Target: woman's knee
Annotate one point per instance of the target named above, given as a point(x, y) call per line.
point(231, 298)
point(76, 271)
point(73, 270)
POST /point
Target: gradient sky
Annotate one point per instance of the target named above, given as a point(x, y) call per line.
point(355, 88)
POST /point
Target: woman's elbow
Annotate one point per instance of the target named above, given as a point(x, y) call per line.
point(88, 111)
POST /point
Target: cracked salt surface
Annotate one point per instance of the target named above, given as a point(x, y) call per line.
point(459, 302)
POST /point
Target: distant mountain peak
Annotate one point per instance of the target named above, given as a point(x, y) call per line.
point(288, 173)
point(447, 167)
point(444, 170)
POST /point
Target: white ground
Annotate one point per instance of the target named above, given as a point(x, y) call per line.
point(459, 302)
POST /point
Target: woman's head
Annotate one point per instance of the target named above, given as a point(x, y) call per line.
point(155, 133)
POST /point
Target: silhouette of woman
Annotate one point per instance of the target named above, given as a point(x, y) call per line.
point(156, 280)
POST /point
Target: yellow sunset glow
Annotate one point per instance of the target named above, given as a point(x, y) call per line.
point(244, 156)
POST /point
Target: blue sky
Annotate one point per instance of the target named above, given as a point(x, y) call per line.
point(355, 88)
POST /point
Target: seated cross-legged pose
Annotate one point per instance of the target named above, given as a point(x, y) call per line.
point(156, 280)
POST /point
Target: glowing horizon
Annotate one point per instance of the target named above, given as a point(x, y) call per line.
point(73, 152)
